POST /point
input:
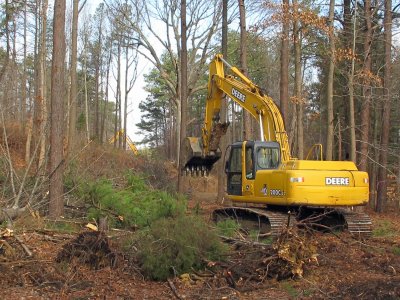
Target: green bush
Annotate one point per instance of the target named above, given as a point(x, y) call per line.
point(228, 227)
point(383, 229)
point(175, 246)
point(136, 183)
point(138, 205)
point(62, 227)
point(396, 250)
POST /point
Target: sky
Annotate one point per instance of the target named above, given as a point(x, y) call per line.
point(137, 93)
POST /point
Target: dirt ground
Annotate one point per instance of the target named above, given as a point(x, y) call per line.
point(346, 268)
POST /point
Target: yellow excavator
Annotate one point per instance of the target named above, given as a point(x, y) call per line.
point(263, 179)
point(120, 133)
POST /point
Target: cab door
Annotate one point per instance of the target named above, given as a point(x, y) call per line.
point(233, 171)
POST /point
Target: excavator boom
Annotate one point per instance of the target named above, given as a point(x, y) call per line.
point(131, 144)
point(202, 153)
point(263, 172)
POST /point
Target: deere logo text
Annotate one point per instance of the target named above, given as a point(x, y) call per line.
point(337, 180)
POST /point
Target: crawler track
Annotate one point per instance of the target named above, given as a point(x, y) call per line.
point(359, 224)
point(271, 222)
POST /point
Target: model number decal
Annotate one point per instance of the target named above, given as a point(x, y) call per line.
point(238, 95)
point(278, 193)
point(337, 180)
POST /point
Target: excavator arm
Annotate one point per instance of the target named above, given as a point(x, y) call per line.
point(203, 153)
point(262, 173)
point(120, 133)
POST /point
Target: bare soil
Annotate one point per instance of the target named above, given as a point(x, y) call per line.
point(85, 265)
point(62, 268)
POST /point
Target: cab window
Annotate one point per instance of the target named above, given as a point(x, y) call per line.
point(249, 163)
point(267, 158)
point(235, 163)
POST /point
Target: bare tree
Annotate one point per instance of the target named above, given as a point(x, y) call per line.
point(347, 37)
point(366, 89)
point(183, 94)
point(108, 66)
point(74, 82)
point(98, 62)
point(56, 207)
point(24, 72)
point(131, 60)
point(284, 60)
point(329, 87)
point(117, 118)
point(247, 130)
point(85, 34)
point(206, 13)
point(42, 86)
point(224, 103)
point(382, 174)
point(29, 116)
point(352, 124)
point(7, 32)
point(298, 81)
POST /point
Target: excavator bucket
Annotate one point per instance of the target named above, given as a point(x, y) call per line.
point(196, 162)
point(200, 159)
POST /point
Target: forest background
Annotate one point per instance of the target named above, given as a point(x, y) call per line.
point(68, 79)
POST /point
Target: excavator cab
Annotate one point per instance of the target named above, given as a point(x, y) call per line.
point(246, 159)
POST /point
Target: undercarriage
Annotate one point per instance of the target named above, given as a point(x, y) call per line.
point(272, 220)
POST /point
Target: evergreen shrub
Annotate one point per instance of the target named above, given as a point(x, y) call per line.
point(136, 206)
point(174, 246)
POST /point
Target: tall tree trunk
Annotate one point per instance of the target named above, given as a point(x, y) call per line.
point(339, 139)
point(366, 90)
point(126, 94)
point(56, 207)
point(292, 128)
point(117, 124)
point(183, 94)
point(224, 105)
point(7, 58)
point(41, 98)
point(329, 88)
point(120, 95)
point(28, 132)
point(96, 95)
point(24, 71)
point(351, 93)
point(14, 73)
point(30, 117)
point(171, 146)
point(347, 32)
point(297, 83)
point(118, 91)
point(74, 90)
point(86, 88)
point(382, 174)
point(106, 96)
point(374, 168)
point(284, 76)
point(247, 128)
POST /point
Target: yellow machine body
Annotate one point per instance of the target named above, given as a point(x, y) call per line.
point(303, 183)
point(263, 171)
point(121, 134)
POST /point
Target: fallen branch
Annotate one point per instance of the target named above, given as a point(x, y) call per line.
point(241, 242)
point(9, 250)
point(9, 214)
point(174, 290)
point(25, 247)
point(81, 223)
point(16, 263)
